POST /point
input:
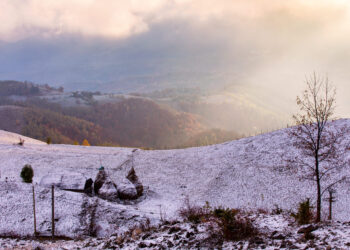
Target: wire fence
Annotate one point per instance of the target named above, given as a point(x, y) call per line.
point(22, 203)
point(38, 198)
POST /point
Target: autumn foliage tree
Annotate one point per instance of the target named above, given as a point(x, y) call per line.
point(321, 146)
point(85, 143)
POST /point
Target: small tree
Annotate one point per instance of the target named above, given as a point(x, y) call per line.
point(320, 146)
point(27, 173)
point(48, 140)
point(85, 143)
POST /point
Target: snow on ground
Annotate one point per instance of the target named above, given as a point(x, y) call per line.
point(238, 174)
point(182, 235)
point(12, 138)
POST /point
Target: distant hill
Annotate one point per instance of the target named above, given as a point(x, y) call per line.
point(13, 138)
point(40, 111)
point(227, 109)
point(27, 89)
point(131, 122)
point(8, 88)
point(40, 124)
point(12, 118)
point(140, 123)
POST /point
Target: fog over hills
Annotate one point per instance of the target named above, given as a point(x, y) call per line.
point(265, 49)
point(175, 117)
point(138, 64)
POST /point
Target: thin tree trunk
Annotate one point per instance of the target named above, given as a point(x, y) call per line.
point(318, 215)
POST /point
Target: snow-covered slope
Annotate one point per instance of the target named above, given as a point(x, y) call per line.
point(12, 138)
point(234, 174)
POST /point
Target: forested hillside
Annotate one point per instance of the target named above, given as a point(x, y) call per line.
point(41, 124)
point(16, 88)
point(8, 88)
point(139, 122)
point(129, 121)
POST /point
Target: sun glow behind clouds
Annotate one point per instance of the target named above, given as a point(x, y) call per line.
point(110, 18)
point(121, 18)
point(272, 43)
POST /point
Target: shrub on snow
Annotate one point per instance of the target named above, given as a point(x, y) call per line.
point(233, 224)
point(227, 223)
point(27, 173)
point(304, 215)
point(193, 213)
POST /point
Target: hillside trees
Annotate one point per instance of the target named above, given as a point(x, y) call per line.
point(132, 122)
point(320, 146)
point(40, 124)
point(138, 122)
point(8, 88)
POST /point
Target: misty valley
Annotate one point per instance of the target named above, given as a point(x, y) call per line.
point(172, 118)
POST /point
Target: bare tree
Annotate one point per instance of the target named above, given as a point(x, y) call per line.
point(321, 146)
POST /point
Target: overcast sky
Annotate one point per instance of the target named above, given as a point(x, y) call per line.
point(266, 45)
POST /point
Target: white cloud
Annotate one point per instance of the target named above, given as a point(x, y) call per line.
point(121, 18)
point(111, 18)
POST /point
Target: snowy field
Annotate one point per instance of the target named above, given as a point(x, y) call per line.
point(238, 174)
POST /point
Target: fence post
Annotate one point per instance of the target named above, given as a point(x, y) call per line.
point(53, 211)
point(330, 199)
point(35, 232)
point(161, 213)
point(330, 205)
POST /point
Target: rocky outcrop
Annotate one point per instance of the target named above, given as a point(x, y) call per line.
point(132, 177)
point(127, 191)
point(88, 187)
point(130, 189)
point(108, 191)
point(100, 179)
